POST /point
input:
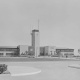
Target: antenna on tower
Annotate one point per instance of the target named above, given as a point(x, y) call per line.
point(38, 24)
point(30, 29)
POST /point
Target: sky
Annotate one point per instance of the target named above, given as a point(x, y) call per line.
point(59, 22)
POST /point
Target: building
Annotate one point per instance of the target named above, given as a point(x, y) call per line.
point(35, 42)
point(42, 51)
point(55, 51)
point(23, 50)
point(65, 52)
point(30, 51)
point(9, 51)
point(47, 50)
point(16, 51)
point(35, 50)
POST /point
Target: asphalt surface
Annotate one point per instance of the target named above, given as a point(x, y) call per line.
point(25, 59)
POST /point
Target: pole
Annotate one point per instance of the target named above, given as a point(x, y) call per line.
point(38, 24)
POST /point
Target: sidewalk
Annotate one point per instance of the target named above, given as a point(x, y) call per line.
point(75, 66)
point(69, 58)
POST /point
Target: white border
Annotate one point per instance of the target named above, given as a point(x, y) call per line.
point(24, 74)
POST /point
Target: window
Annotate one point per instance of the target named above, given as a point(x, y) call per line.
point(1, 53)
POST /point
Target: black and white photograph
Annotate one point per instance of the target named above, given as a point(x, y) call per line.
point(39, 40)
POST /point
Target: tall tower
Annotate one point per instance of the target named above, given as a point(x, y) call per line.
point(35, 42)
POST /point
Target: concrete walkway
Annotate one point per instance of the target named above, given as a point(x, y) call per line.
point(75, 66)
point(22, 70)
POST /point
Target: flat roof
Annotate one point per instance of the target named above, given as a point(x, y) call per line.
point(8, 46)
point(62, 48)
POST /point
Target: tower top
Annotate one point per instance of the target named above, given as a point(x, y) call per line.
point(35, 30)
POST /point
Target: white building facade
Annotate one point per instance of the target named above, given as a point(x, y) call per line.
point(35, 42)
point(23, 50)
point(47, 50)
